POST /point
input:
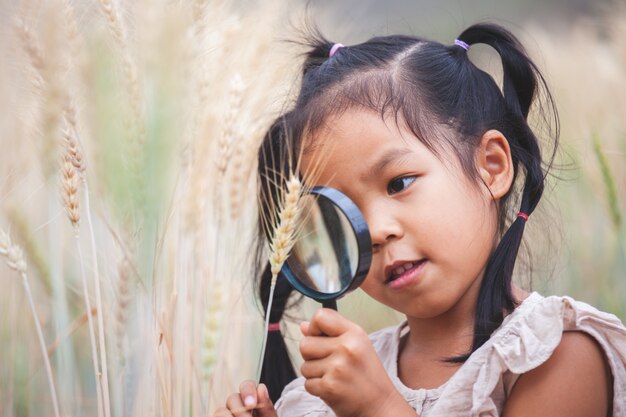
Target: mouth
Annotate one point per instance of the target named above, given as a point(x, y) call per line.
point(401, 269)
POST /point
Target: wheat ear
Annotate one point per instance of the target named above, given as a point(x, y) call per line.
point(211, 330)
point(283, 239)
point(72, 168)
point(69, 180)
point(227, 136)
point(15, 260)
point(129, 68)
point(69, 194)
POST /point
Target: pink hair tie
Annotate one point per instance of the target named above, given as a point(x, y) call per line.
point(273, 327)
point(523, 215)
point(462, 44)
point(334, 49)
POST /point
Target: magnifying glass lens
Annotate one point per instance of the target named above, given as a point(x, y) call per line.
point(325, 256)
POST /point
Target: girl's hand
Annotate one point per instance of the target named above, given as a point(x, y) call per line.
point(342, 368)
point(249, 401)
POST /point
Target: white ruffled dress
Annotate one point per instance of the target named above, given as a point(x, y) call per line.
point(480, 387)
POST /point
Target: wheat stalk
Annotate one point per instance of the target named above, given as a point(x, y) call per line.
point(72, 168)
point(243, 161)
point(92, 337)
point(283, 239)
point(99, 304)
point(15, 260)
point(52, 94)
point(123, 300)
point(129, 69)
point(21, 227)
point(32, 48)
point(228, 135)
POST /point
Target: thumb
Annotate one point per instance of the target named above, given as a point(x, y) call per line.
point(264, 408)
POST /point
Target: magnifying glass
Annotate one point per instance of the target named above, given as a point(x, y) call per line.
point(333, 253)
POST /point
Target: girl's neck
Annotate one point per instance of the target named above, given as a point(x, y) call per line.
point(446, 335)
point(422, 352)
point(449, 334)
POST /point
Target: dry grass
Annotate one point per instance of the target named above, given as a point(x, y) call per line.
point(15, 260)
point(151, 134)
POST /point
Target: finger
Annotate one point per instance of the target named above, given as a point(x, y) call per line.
point(314, 386)
point(317, 347)
point(265, 408)
point(327, 322)
point(304, 328)
point(314, 369)
point(222, 412)
point(248, 393)
point(236, 407)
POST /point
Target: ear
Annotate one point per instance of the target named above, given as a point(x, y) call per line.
point(494, 163)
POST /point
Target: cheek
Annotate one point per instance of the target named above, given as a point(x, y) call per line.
point(372, 283)
point(459, 219)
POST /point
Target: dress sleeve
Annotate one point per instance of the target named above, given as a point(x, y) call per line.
point(525, 343)
point(295, 401)
point(571, 315)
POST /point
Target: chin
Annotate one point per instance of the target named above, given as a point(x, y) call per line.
point(430, 305)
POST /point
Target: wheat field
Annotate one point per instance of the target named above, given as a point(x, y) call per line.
point(128, 143)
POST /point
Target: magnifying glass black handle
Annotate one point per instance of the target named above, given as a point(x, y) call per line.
point(330, 304)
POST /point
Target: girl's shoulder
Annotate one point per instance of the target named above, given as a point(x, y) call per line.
point(529, 335)
point(526, 340)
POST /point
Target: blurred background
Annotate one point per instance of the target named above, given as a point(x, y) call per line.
point(128, 137)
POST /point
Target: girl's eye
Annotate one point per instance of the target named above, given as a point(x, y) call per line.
point(399, 184)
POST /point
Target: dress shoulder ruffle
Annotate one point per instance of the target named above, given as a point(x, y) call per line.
point(525, 341)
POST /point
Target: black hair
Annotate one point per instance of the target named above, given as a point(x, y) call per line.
point(446, 101)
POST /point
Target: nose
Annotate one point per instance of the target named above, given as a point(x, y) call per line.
point(383, 227)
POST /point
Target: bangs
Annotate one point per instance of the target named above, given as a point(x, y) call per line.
point(383, 92)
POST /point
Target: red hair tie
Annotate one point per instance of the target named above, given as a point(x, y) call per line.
point(523, 215)
point(273, 327)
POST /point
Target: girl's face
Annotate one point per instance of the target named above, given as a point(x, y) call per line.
point(432, 228)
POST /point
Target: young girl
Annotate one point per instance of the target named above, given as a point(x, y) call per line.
point(429, 148)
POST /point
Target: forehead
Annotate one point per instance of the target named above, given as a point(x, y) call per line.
point(354, 142)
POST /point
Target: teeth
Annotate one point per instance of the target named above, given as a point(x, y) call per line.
point(402, 269)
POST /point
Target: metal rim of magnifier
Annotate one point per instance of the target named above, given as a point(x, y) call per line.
point(363, 240)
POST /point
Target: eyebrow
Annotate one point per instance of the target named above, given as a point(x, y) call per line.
point(384, 160)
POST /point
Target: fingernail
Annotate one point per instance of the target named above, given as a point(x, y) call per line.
point(266, 394)
point(249, 401)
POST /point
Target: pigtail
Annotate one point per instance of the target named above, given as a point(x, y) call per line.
point(520, 85)
point(318, 48)
point(274, 155)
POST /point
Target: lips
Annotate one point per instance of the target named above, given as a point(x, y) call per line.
point(398, 268)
